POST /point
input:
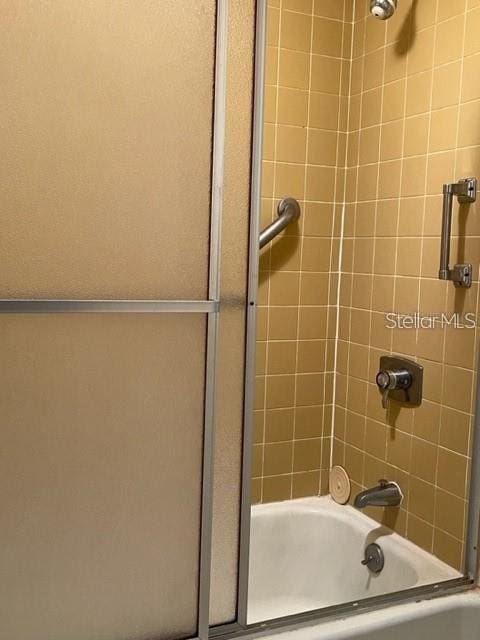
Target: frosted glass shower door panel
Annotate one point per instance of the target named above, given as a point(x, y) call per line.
point(100, 475)
point(106, 138)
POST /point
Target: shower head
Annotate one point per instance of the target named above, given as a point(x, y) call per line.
point(383, 9)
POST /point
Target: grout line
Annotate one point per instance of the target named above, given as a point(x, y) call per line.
point(336, 206)
point(270, 249)
point(375, 209)
point(356, 200)
point(456, 161)
point(464, 457)
point(295, 390)
point(391, 161)
point(340, 253)
point(326, 56)
point(429, 134)
point(315, 15)
point(386, 199)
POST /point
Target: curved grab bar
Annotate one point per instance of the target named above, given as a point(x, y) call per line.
point(288, 211)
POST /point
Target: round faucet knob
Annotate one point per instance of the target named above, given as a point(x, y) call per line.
point(391, 379)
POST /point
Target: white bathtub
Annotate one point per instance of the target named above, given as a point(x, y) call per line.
point(448, 618)
point(306, 554)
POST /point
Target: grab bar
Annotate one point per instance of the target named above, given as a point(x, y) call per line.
point(466, 191)
point(288, 211)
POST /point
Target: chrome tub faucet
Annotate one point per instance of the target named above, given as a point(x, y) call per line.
point(385, 494)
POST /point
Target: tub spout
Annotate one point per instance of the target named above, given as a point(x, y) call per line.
point(386, 494)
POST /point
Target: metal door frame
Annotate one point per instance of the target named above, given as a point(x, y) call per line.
point(252, 294)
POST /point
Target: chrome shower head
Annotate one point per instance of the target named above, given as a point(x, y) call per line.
point(383, 9)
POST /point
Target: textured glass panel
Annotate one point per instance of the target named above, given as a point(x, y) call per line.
point(106, 116)
point(100, 475)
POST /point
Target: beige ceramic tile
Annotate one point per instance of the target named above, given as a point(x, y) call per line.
point(295, 31)
point(327, 37)
point(400, 105)
point(293, 69)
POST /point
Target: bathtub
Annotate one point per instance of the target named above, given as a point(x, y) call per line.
point(306, 554)
point(448, 618)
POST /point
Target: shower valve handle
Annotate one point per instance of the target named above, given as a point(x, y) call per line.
point(400, 379)
point(393, 380)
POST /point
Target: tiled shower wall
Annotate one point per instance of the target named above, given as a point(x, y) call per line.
point(307, 73)
point(413, 101)
point(414, 124)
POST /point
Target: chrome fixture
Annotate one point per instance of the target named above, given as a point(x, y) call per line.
point(393, 379)
point(466, 191)
point(288, 211)
point(401, 380)
point(374, 559)
point(383, 9)
point(385, 494)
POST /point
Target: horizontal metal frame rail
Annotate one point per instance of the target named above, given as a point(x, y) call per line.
point(108, 306)
point(341, 611)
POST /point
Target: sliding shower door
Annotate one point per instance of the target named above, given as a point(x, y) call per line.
point(101, 470)
point(112, 117)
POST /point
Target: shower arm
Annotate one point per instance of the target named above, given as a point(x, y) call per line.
point(288, 211)
point(466, 191)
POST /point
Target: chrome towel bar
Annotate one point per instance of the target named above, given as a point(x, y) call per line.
point(288, 211)
point(466, 191)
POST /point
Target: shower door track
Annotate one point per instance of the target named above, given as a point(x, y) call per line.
point(240, 627)
point(345, 610)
